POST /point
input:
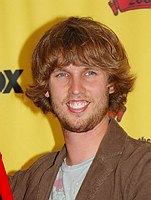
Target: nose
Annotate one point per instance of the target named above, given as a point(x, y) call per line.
point(76, 85)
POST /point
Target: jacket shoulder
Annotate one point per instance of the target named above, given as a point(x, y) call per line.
point(35, 170)
point(136, 146)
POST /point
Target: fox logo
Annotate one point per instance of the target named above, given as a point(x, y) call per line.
point(12, 78)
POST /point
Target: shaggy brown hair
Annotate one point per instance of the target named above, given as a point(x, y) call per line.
point(80, 41)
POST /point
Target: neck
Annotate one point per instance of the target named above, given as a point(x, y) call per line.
point(83, 146)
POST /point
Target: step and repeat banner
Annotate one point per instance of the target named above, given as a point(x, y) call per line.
point(25, 132)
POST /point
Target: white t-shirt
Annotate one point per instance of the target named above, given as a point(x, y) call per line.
point(69, 180)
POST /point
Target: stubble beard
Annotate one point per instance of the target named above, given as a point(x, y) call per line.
point(79, 123)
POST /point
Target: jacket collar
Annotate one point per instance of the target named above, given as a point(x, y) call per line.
point(113, 142)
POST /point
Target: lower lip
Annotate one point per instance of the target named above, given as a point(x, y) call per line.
point(78, 110)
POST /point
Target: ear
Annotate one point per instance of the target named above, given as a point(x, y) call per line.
point(47, 94)
point(111, 88)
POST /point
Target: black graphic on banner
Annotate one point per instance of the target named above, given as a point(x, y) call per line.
point(144, 139)
point(12, 81)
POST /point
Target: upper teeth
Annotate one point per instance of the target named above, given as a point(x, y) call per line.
point(77, 105)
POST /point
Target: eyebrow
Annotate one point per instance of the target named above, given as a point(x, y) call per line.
point(57, 69)
point(62, 68)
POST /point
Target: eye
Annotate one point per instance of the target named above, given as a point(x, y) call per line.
point(62, 74)
point(90, 73)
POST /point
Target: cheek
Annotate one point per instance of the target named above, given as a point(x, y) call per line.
point(98, 89)
point(57, 84)
point(57, 91)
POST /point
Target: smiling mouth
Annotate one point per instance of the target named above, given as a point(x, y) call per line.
point(77, 106)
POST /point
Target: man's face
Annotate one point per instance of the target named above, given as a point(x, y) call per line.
point(79, 96)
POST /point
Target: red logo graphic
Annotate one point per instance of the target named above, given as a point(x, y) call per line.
point(125, 5)
point(119, 115)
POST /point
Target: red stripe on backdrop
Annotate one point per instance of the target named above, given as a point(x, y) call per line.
point(5, 191)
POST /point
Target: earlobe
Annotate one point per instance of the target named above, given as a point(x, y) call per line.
point(47, 94)
point(111, 89)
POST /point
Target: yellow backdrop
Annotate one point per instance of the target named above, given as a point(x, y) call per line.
point(25, 132)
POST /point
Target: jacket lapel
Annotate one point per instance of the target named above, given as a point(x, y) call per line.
point(104, 163)
point(49, 175)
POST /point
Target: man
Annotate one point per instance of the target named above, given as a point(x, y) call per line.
point(81, 73)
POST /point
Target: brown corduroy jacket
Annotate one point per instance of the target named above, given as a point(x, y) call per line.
point(121, 170)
